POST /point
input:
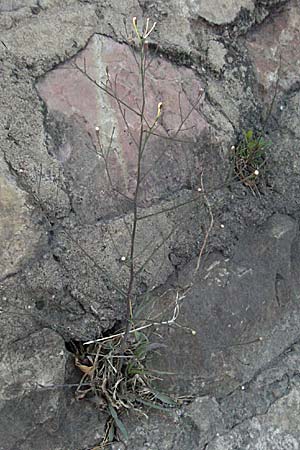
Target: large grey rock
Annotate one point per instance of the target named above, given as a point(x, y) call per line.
point(36, 411)
point(276, 430)
point(261, 414)
point(240, 309)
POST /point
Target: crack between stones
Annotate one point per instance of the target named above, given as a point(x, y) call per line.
point(287, 375)
point(9, 275)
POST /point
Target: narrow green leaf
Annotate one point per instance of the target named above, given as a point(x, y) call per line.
point(248, 135)
point(152, 405)
point(119, 424)
point(111, 433)
point(136, 371)
point(164, 398)
point(161, 372)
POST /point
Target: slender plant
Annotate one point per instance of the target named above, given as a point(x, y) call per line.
point(115, 367)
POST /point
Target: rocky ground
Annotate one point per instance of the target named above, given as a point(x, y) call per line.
point(226, 66)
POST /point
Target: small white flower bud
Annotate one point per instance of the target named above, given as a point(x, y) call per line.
point(256, 172)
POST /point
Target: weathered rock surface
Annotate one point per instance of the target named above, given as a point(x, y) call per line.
point(273, 50)
point(261, 414)
point(31, 416)
point(64, 227)
point(240, 310)
point(96, 180)
point(19, 235)
point(220, 12)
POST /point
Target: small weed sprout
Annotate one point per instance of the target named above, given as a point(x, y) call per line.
point(249, 158)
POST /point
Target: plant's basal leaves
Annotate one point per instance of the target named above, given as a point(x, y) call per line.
point(111, 433)
point(161, 372)
point(152, 405)
point(119, 424)
point(164, 398)
point(136, 371)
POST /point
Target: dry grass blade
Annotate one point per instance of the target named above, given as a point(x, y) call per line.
point(120, 380)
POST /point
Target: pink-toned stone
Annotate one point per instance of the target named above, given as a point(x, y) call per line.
point(278, 39)
point(80, 102)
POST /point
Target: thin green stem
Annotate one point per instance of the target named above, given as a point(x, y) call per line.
point(136, 194)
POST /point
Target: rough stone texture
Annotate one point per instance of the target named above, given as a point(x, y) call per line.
point(277, 40)
point(216, 55)
point(35, 417)
point(261, 414)
point(219, 12)
point(57, 208)
point(15, 5)
point(278, 428)
point(240, 309)
point(72, 127)
point(19, 235)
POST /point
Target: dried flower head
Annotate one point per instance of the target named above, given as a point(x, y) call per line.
point(159, 109)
